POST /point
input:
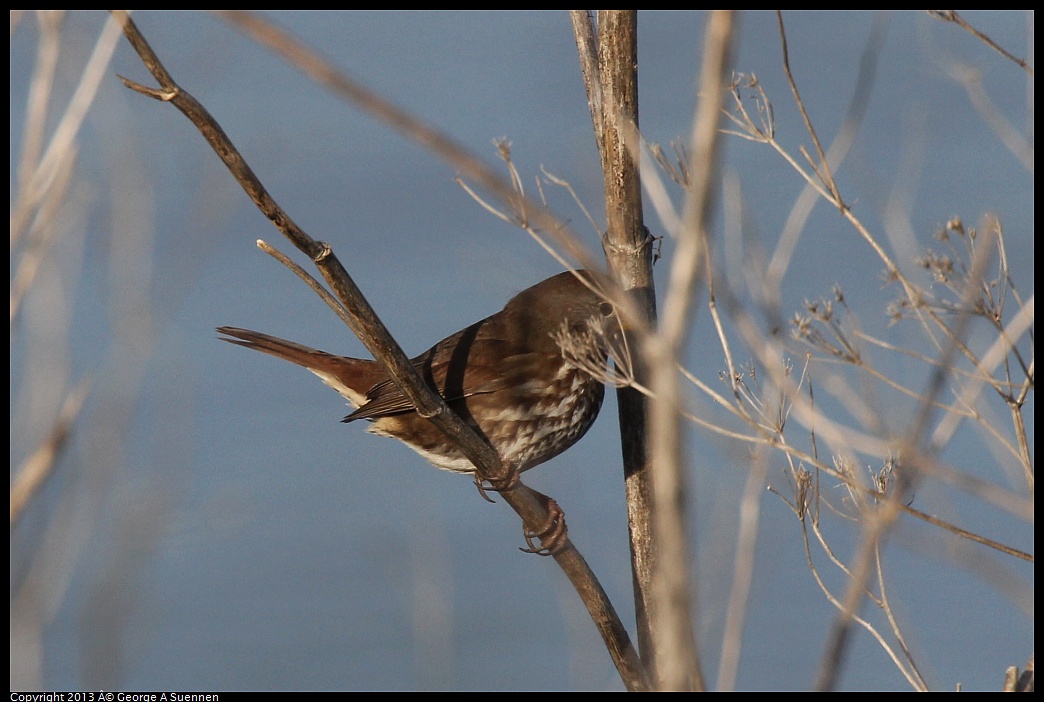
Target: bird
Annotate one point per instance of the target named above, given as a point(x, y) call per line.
point(526, 378)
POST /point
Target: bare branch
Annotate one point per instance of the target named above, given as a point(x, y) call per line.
point(609, 68)
point(952, 16)
point(587, 50)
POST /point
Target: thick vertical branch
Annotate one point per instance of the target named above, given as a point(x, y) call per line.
point(610, 69)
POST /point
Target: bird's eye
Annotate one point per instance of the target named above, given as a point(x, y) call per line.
point(605, 309)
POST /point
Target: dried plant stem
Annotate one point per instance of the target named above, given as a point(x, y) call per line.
point(766, 435)
point(44, 171)
point(743, 573)
point(671, 578)
point(952, 16)
point(608, 64)
point(917, 449)
point(40, 89)
point(906, 668)
point(914, 675)
point(37, 467)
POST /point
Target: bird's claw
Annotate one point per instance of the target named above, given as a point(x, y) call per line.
point(546, 539)
point(501, 484)
point(553, 533)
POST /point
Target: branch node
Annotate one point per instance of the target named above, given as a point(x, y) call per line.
point(324, 253)
point(427, 414)
point(626, 247)
point(154, 93)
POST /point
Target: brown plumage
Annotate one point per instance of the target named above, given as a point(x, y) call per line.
point(506, 375)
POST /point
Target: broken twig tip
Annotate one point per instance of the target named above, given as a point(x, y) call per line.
point(154, 93)
point(324, 253)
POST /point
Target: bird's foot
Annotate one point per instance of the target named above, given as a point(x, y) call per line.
point(553, 533)
point(510, 481)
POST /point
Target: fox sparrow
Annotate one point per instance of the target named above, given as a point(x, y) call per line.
point(521, 377)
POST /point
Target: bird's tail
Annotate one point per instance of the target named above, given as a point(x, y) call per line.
point(351, 377)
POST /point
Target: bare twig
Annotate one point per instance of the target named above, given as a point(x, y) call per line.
point(914, 674)
point(911, 675)
point(836, 154)
point(952, 16)
point(822, 166)
point(948, 341)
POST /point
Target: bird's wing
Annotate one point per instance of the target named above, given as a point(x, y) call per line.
point(454, 371)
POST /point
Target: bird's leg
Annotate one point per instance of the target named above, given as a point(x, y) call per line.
point(553, 533)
